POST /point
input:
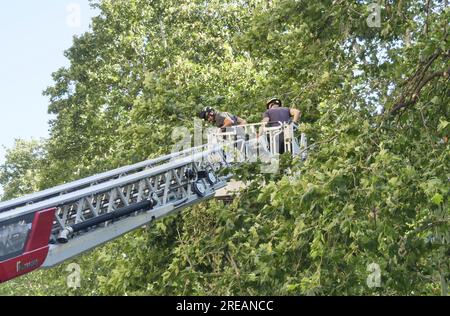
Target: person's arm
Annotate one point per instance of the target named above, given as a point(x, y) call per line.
point(241, 121)
point(264, 121)
point(296, 114)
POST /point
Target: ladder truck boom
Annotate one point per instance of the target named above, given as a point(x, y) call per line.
point(89, 181)
point(49, 227)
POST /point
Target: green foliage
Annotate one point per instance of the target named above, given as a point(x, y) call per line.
point(375, 188)
point(21, 172)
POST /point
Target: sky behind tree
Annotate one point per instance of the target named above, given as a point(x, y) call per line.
point(34, 36)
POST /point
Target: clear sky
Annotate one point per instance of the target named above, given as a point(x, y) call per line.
point(33, 37)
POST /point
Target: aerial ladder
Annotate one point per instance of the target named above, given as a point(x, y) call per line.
point(46, 228)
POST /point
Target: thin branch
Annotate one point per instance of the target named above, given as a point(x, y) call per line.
point(233, 263)
point(416, 93)
point(318, 143)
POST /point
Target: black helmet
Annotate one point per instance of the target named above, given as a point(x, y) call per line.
point(273, 100)
point(206, 111)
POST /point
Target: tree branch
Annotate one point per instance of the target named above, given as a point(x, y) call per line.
point(417, 82)
point(415, 97)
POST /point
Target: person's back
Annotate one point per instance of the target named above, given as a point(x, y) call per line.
point(278, 114)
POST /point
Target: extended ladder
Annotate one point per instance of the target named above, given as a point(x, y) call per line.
point(46, 228)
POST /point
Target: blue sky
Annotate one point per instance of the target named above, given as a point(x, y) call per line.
point(34, 35)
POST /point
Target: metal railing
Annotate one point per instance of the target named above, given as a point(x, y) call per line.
point(259, 140)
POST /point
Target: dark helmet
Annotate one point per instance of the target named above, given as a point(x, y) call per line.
point(273, 101)
point(206, 111)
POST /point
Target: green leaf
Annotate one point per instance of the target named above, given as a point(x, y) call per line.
point(437, 199)
point(442, 124)
point(435, 100)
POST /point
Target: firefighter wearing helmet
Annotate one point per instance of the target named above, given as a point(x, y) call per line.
point(276, 114)
point(221, 119)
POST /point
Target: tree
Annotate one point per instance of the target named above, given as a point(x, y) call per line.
point(373, 193)
point(21, 172)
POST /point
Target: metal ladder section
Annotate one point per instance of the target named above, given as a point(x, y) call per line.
point(46, 228)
